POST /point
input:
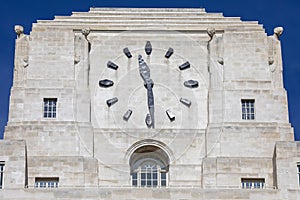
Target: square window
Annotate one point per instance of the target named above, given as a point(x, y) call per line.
point(50, 107)
point(248, 109)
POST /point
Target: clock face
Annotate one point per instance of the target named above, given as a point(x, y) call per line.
point(176, 96)
point(172, 81)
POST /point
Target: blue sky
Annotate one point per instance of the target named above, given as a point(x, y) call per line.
point(269, 13)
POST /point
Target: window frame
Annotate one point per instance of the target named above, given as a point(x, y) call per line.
point(2, 173)
point(50, 108)
point(248, 109)
point(298, 173)
point(253, 183)
point(46, 182)
point(160, 182)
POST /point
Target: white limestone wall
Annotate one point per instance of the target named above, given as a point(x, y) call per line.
point(227, 172)
point(71, 171)
point(247, 74)
point(144, 193)
point(13, 153)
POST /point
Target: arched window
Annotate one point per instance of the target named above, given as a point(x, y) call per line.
point(149, 167)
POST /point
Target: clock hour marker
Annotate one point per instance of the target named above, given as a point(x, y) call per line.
point(148, 121)
point(186, 102)
point(127, 115)
point(185, 65)
point(169, 53)
point(112, 65)
point(170, 115)
point(106, 83)
point(112, 101)
point(127, 52)
point(148, 48)
point(191, 84)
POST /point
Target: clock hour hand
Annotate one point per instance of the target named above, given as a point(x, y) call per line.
point(145, 74)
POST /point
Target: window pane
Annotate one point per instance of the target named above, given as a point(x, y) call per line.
point(143, 176)
point(149, 183)
point(134, 182)
point(163, 175)
point(134, 176)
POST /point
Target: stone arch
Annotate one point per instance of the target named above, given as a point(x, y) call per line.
point(149, 145)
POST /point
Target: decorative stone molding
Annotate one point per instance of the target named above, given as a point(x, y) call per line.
point(85, 32)
point(221, 60)
point(149, 142)
point(278, 32)
point(271, 60)
point(211, 32)
point(19, 31)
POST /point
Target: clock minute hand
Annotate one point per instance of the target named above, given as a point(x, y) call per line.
point(145, 74)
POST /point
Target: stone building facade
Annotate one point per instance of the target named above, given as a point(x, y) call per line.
point(121, 103)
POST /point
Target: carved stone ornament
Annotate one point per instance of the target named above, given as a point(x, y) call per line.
point(278, 32)
point(76, 59)
point(19, 30)
point(271, 60)
point(220, 60)
point(85, 32)
point(211, 32)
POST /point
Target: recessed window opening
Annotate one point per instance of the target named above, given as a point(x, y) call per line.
point(50, 107)
point(149, 167)
point(298, 166)
point(46, 182)
point(2, 168)
point(253, 183)
point(248, 109)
